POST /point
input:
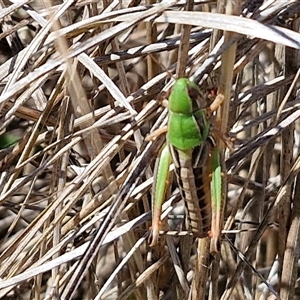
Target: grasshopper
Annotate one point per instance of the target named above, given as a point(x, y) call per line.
point(191, 147)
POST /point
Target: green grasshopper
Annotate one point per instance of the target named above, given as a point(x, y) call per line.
point(192, 149)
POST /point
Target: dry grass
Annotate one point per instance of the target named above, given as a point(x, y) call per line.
point(81, 88)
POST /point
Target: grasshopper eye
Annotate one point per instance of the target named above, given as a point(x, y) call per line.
point(197, 98)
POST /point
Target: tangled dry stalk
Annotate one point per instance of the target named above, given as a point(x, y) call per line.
point(81, 88)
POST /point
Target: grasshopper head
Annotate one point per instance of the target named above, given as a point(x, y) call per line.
point(185, 97)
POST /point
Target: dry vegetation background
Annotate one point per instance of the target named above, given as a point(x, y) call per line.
point(81, 88)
